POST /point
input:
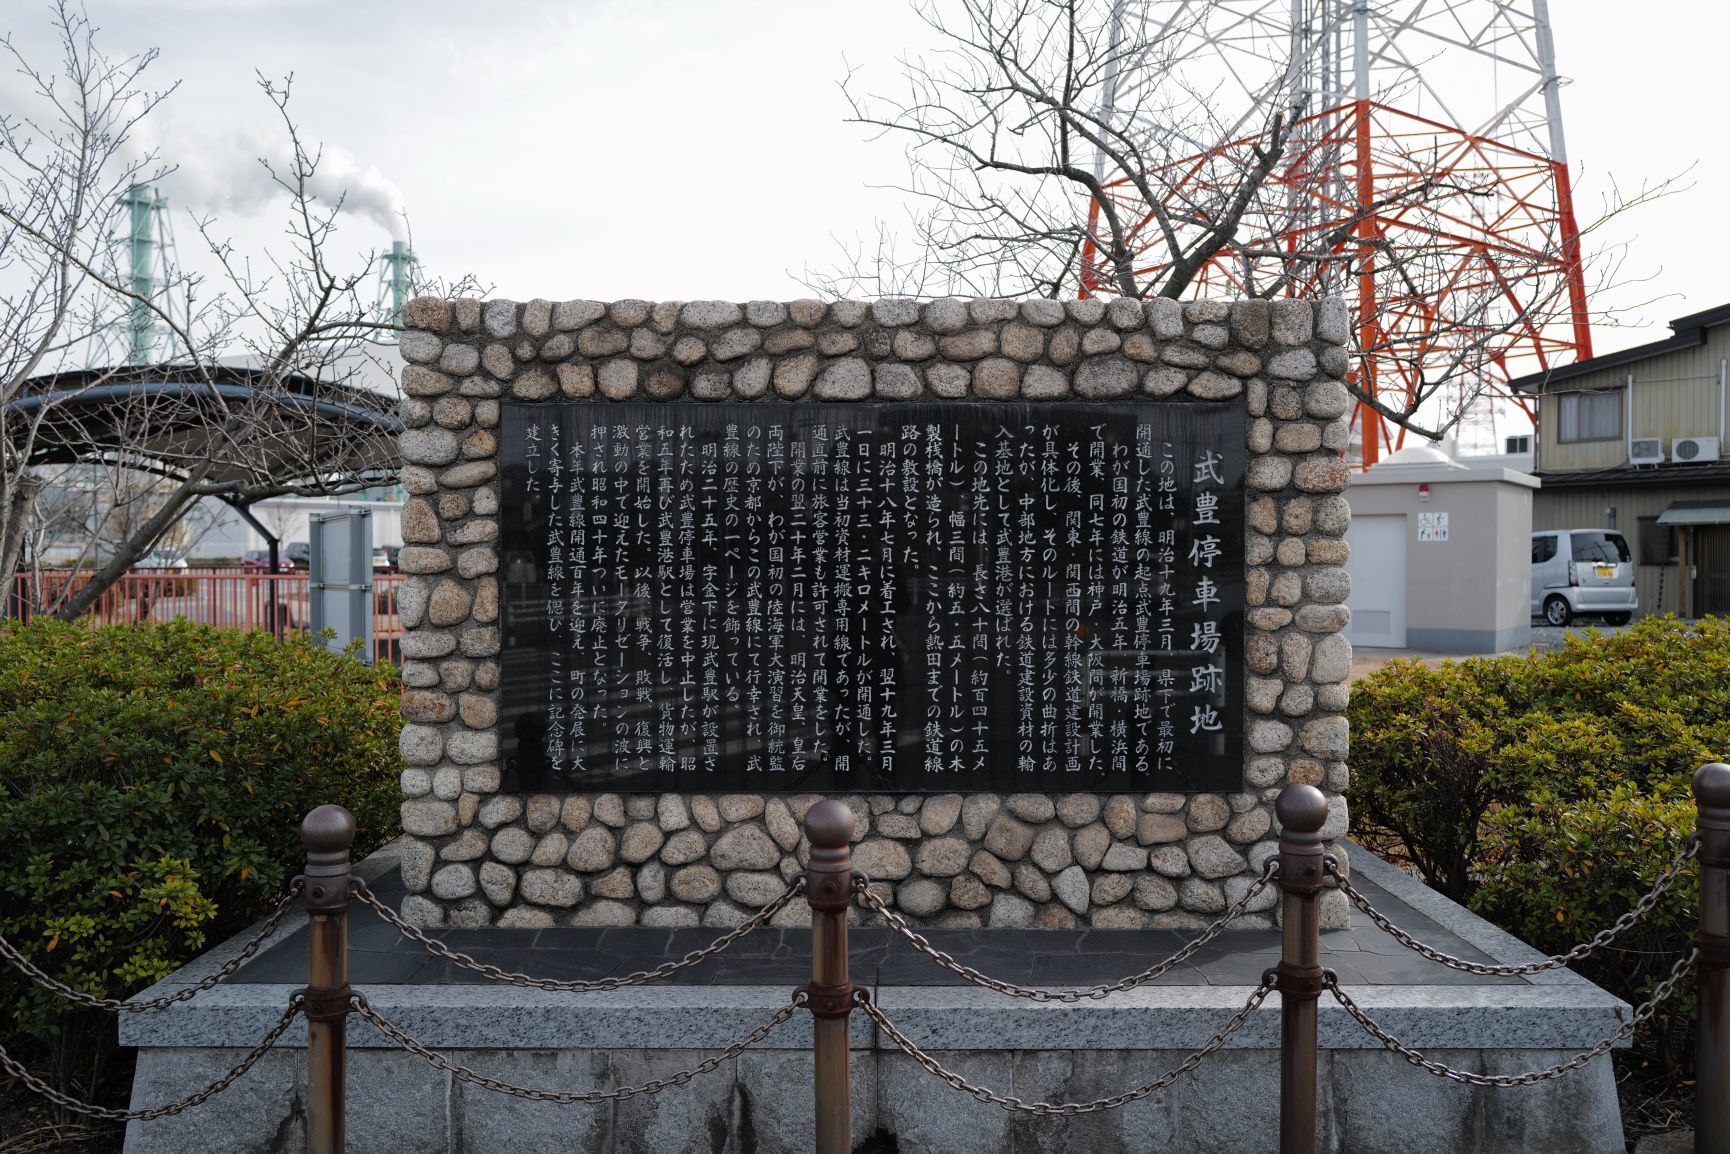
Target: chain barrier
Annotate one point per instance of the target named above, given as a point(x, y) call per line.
point(1603, 937)
point(24, 966)
point(438, 949)
point(1682, 969)
point(88, 1110)
point(899, 924)
point(359, 1005)
point(462, 1073)
point(1063, 1109)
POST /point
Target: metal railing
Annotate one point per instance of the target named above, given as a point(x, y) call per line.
point(1302, 870)
point(276, 603)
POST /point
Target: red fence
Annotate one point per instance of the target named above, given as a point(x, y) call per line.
point(231, 599)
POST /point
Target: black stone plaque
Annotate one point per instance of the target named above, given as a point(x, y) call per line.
point(907, 598)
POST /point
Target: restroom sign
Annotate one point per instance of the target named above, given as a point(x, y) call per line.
point(1432, 526)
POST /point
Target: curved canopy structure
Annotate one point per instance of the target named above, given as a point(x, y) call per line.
point(247, 433)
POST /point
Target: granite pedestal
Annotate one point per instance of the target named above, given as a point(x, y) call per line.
point(1370, 1100)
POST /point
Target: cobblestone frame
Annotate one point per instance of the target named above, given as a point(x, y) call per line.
point(476, 857)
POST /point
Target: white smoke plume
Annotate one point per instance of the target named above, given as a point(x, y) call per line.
point(204, 169)
point(225, 177)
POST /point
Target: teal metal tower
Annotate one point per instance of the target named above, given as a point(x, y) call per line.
point(145, 255)
point(398, 279)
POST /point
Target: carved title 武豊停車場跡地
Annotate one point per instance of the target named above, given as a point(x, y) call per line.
point(896, 597)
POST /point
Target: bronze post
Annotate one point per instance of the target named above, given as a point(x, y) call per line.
point(328, 833)
point(1302, 810)
point(829, 890)
point(1712, 1031)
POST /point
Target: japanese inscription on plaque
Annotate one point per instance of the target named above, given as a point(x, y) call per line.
point(893, 597)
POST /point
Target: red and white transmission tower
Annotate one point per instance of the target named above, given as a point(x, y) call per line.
point(1425, 179)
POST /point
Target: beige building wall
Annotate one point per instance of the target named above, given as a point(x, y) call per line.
point(1671, 388)
point(1676, 394)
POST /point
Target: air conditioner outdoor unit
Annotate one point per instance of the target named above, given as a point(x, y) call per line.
point(1646, 451)
point(1693, 450)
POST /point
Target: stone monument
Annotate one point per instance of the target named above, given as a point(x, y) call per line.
point(1049, 593)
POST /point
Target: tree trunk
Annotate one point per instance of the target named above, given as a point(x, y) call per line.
point(134, 546)
point(17, 496)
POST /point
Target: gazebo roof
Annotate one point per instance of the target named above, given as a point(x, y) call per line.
point(260, 428)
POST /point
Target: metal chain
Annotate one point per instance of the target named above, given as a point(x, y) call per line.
point(569, 1097)
point(1070, 996)
point(11, 1066)
point(1063, 1109)
point(1663, 990)
point(498, 974)
point(24, 965)
point(1555, 961)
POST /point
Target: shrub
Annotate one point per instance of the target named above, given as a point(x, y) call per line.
point(1557, 870)
point(152, 782)
point(1426, 763)
point(1549, 792)
point(1436, 751)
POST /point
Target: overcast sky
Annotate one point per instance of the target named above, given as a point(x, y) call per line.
point(696, 148)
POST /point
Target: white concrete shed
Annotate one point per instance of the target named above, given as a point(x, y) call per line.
point(1441, 554)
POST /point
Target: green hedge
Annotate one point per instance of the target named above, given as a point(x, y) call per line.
point(1548, 792)
point(152, 782)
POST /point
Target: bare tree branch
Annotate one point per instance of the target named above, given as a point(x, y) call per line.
point(263, 385)
point(1078, 147)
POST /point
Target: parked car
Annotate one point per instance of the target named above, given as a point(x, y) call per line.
point(258, 561)
point(157, 559)
point(298, 554)
point(380, 559)
point(1582, 571)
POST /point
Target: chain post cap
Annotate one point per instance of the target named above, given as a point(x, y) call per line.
point(1301, 808)
point(829, 825)
point(328, 831)
point(1712, 785)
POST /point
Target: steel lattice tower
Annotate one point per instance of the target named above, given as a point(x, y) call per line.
point(1426, 159)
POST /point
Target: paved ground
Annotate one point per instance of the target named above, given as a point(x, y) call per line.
point(1367, 661)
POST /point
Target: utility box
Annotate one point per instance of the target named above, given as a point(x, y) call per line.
point(1440, 555)
point(339, 579)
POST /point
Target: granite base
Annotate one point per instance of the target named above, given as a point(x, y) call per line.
point(1371, 1101)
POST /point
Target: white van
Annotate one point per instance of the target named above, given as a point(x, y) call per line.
point(1576, 571)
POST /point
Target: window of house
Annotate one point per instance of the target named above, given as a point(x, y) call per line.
point(1657, 542)
point(1589, 417)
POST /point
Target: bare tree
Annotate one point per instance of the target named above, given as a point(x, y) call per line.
point(274, 380)
point(281, 520)
point(1027, 113)
point(63, 172)
point(1060, 148)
